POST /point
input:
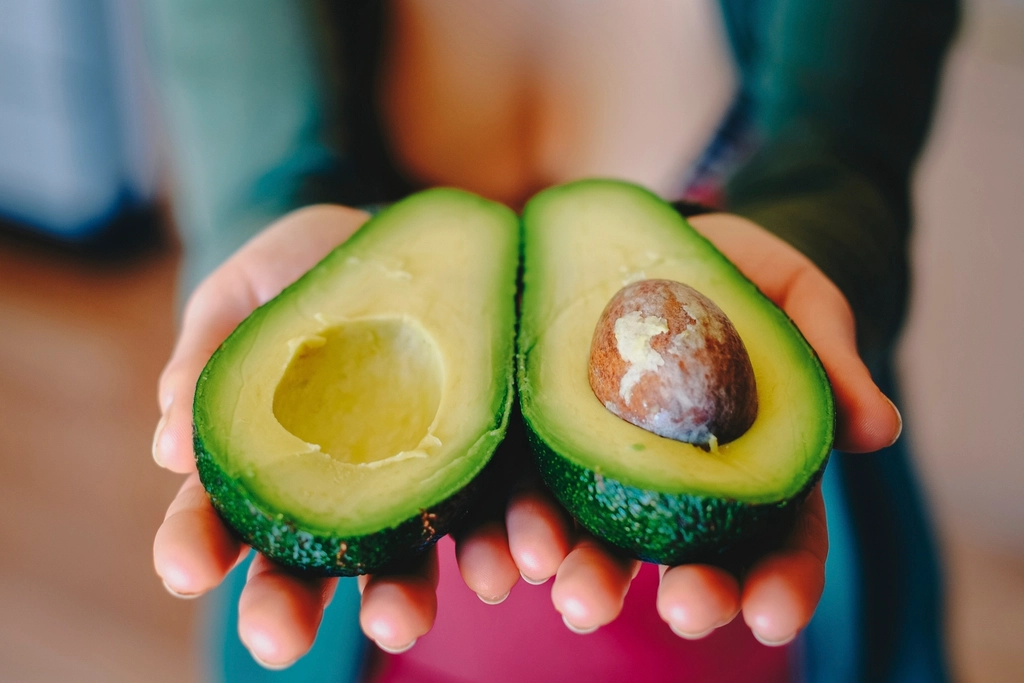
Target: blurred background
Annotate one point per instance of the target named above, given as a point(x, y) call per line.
point(88, 263)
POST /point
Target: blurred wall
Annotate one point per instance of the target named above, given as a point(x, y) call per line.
point(962, 352)
point(76, 143)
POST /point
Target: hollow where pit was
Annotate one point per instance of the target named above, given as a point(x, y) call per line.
point(363, 391)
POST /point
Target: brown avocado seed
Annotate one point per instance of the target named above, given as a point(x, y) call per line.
point(667, 359)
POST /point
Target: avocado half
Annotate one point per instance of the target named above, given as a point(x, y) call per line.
point(657, 499)
point(340, 426)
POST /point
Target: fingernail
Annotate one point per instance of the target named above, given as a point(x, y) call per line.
point(267, 665)
point(533, 582)
point(898, 417)
point(771, 643)
point(691, 636)
point(182, 596)
point(493, 601)
point(262, 642)
point(396, 650)
point(576, 629)
point(156, 439)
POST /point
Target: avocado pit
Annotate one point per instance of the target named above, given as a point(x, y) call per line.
point(665, 358)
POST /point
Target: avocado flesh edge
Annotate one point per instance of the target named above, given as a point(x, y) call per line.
point(584, 241)
point(272, 483)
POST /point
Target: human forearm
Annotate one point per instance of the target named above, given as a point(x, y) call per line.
point(821, 201)
point(840, 97)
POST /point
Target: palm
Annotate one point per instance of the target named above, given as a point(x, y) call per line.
point(279, 613)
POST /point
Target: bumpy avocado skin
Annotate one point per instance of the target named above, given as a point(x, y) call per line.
point(284, 541)
point(665, 528)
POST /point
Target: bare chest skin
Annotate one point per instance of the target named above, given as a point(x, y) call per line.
point(503, 98)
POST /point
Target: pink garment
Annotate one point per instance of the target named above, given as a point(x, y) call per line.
point(524, 640)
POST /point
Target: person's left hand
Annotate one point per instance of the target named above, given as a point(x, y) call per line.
point(778, 595)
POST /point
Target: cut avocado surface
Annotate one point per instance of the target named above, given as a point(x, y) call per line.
point(339, 427)
point(658, 499)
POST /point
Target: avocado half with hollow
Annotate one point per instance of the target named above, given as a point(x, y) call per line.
point(339, 427)
point(656, 498)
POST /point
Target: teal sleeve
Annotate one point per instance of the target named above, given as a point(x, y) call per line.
point(841, 94)
point(244, 103)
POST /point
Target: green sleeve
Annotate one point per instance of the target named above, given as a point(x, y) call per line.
point(841, 94)
point(243, 106)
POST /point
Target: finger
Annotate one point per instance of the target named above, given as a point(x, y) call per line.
point(767, 260)
point(696, 599)
point(591, 585)
point(486, 563)
point(539, 534)
point(866, 419)
point(193, 550)
point(400, 607)
point(279, 613)
point(250, 278)
point(283, 252)
point(782, 590)
point(213, 311)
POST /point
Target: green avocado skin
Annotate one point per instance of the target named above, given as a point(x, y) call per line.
point(665, 528)
point(283, 541)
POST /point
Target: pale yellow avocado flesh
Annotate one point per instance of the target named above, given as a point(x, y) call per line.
point(586, 241)
point(363, 394)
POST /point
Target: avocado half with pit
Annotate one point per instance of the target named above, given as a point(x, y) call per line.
point(340, 426)
point(656, 498)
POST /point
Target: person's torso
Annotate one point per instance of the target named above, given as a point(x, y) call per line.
point(504, 98)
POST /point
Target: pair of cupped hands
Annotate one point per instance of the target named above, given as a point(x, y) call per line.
point(279, 612)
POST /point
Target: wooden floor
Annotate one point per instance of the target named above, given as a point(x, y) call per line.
point(80, 350)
